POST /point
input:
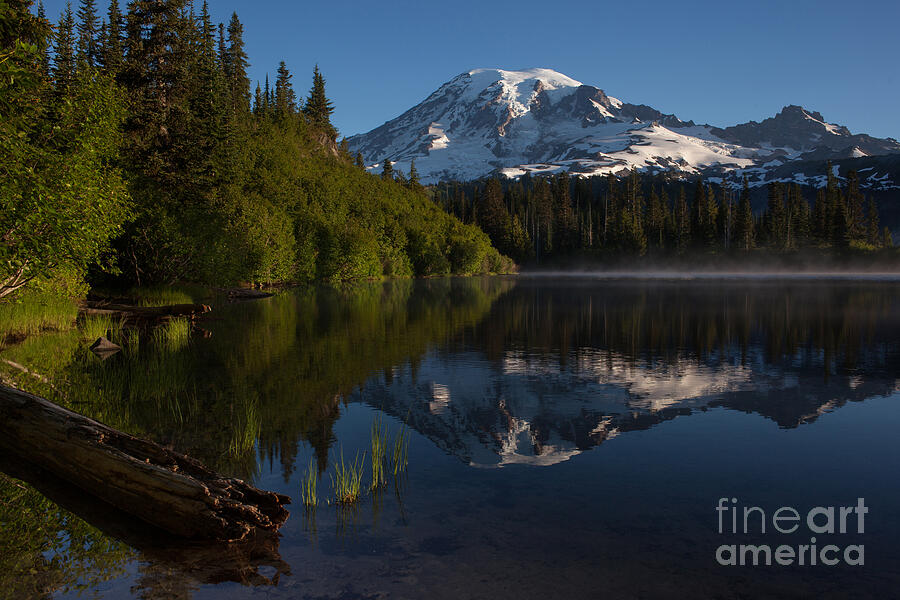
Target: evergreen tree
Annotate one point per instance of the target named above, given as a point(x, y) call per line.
point(87, 49)
point(887, 240)
point(111, 49)
point(236, 60)
point(285, 98)
point(64, 51)
point(682, 221)
point(414, 176)
point(359, 162)
point(387, 171)
point(873, 229)
point(743, 234)
point(318, 107)
point(43, 44)
point(820, 218)
point(855, 200)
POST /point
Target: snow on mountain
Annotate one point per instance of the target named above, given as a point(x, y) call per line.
point(489, 121)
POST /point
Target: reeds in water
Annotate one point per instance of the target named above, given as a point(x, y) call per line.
point(347, 479)
point(379, 450)
point(104, 325)
point(309, 484)
point(174, 334)
point(400, 452)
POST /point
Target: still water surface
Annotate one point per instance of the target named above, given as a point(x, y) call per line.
point(570, 438)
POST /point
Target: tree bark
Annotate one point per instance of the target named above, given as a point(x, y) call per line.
point(164, 488)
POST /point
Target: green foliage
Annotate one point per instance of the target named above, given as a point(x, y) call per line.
point(557, 217)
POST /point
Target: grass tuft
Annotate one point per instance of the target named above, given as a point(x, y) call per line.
point(400, 451)
point(379, 449)
point(347, 479)
point(174, 334)
point(308, 485)
point(246, 430)
point(34, 312)
point(160, 296)
point(103, 325)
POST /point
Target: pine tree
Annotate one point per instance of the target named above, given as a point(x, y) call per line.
point(258, 101)
point(414, 176)
point(855, 200)
point(743, 234)
point(318, 107)
point(387, 171)
point(873, 233)
point(111, 49)
point(887, 240)
point(64, 51)
point(87, 49)
point(682, 221)
point(362, 163)
point(44, 43)
point(236, 59)
point(285, 98)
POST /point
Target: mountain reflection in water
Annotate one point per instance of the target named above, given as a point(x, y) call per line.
point(554, 370)
point(490, 371)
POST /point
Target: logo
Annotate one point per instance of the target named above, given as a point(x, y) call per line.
point(839, 523)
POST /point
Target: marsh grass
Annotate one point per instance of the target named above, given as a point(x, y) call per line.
point(308, 485)
point(347, 479)
point(245, 431)
point(103, 325)
point(33, 313)
point(173, 335)
point(161, 296)
point(379, 450)
point(400, 452)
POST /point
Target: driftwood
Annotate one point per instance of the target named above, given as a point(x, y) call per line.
point(161, 487)
point(143, 313)
point(181, 563)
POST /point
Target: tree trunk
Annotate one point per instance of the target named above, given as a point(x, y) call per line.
point(166, 489)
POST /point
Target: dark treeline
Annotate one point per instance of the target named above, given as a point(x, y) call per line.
point(537, 218)
point(132, 144)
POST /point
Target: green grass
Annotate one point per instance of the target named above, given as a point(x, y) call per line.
point(246, 430)
point(347, 479)
point(34, 312)
point(379, 448)
point(103, 325)
point(400, 451)
point(308, 485)
point(174, 334)
point(161, 296)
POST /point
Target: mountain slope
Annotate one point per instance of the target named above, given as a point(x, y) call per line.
point(512, 122)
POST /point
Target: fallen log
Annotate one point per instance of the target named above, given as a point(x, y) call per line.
point(163, 488)
point(147, 313)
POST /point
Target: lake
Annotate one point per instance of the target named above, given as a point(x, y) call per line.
point(569, 437)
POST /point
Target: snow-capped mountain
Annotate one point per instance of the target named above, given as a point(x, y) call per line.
point(511, 122)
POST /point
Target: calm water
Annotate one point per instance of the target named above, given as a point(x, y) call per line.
point(571, 438)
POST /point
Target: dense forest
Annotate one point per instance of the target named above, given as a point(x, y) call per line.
point(561, 216)
point(134, 151)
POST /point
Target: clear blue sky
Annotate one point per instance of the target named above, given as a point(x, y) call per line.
point(717, 62)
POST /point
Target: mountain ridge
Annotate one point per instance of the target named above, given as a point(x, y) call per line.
point(490, 121)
